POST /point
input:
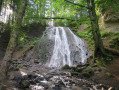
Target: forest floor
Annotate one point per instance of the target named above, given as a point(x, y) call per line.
point(112, 67)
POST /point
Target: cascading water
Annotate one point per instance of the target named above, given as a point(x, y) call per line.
point(61, 52)
point(60, 46)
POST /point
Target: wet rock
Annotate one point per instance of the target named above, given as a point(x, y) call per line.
point(25, 84)
point(60, 83)
point(15, 89)
point(12, 68)
point(38, 79)
point(47, 77)
point(45, 85)
point(36, 61)
point(17, 78)
point(56, 88)
point(80, 75)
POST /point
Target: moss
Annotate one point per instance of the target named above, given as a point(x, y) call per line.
point(30, 34)
point(65, 67)
point(88, 72)
point(105, 34)
point(74, 73)
point(43, 51)
point(108, 75)
point(105, 5)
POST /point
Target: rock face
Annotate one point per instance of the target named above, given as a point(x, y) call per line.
point(109, 21)
point(60, 46)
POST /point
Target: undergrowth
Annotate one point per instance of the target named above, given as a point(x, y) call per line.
point(27, 40)
point(110, 37)
point(88, 37)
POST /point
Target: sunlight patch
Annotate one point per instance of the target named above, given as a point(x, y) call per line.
point(23, 73)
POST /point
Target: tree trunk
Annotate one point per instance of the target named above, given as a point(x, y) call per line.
point(12, 43)
point(98, 48)
point(1, 1)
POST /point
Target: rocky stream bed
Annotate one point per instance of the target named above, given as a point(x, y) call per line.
point(31, 75)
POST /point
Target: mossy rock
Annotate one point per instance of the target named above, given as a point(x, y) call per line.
point(82, 65)
point(66, 67)
point(25, 83)
point(73, 68)
point(80, 69)
point(108, 75)
point(74, 73)
point(88, 72)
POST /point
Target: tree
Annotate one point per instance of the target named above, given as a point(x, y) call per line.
point(1, 1)
point(12, 43)
point(98, 44)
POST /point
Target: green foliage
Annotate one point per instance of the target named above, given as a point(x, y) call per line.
point(33, 43)
point(23, 40)
point(108, 4)
point(37, 9)
point(87, 35)
point(7, 27)
point(102, 61)
point(98, 63)
point(106, 35)
point(113, 38)
point(114, 43)
point(108, 75)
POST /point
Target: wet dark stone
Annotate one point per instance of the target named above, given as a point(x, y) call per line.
point(12, 68)
point(59, 83)
point(31, 76)
point(56, 88)
point(38, 79)
point(36, 61)
point(48, 77)
point(17, 78)
point(25, 84)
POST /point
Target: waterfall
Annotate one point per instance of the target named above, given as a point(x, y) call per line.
point(60, 46)
point(61, 52)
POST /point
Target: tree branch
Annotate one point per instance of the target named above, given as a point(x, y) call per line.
point(51, 18)
point(77, 4)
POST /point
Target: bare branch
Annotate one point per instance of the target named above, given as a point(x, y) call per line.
point(77, 4)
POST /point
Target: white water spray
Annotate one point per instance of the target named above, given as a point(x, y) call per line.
point(68, 48)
